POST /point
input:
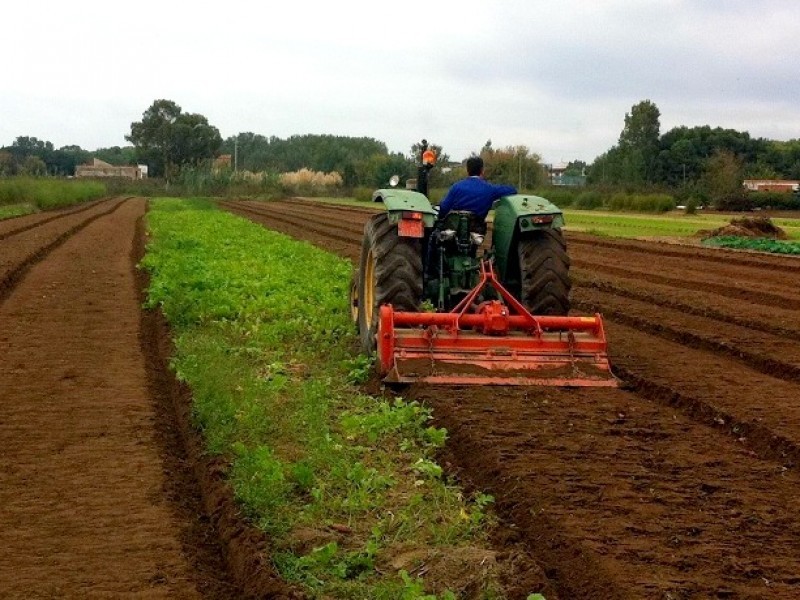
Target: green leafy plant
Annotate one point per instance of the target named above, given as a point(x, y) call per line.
point(263, 338)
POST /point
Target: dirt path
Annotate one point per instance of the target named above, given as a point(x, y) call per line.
point(684, 483)
point(95, 498)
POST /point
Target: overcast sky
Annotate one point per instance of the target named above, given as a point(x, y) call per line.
point(557, 76)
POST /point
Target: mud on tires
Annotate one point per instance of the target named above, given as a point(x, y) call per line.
point(544, 273)
point(390, 272)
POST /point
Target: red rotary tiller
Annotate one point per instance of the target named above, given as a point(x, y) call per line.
point(495, 342)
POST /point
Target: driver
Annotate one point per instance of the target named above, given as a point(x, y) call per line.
point(474, 193)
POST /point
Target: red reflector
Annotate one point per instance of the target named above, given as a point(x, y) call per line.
point(414, 216)
point(410, 228)
point(542, 219)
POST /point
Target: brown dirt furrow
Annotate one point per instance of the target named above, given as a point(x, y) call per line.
point(301, 216)
point(766, 277)
point(16, 225)
point(583, 243)
point(618, 497)
point(23, 251)
point(369, 208)
point(769, 354)
point(726, 286)
point(773, 320)
point(759, 411)
point(91, 503)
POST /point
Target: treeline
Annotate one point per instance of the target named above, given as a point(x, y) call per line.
point(359, 160)
point(34, 157)
point(704, 163)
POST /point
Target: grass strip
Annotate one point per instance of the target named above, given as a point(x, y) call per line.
point(48, 193)
point(16, 210)
point(760, 244)
point(345, 485)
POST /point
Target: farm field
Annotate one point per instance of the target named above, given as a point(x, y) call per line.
point(97, 496)
point(681, 484)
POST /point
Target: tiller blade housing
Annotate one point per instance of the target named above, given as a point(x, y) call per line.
point(496, 343)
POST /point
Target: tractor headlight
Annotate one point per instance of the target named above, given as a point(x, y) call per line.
point(476, 238)
point(447, 234)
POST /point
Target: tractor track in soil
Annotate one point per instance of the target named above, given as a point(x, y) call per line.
point(683, 483)
point(15, 225)
point(98, 496)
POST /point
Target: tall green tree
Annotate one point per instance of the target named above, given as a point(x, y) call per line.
point(723, 177)
point(638, 142)
point(167, 138)
point(634, 160)
point(515, 165)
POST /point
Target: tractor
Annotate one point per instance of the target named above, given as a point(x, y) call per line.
point(439, 304)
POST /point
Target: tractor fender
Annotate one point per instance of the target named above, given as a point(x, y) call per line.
point(516, 215)
point(399, 201)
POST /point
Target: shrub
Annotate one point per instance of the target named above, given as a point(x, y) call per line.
point(775, 200)
point(363, 193)
point(589, 200)
point(560, 196)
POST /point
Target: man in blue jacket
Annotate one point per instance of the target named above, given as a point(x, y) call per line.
point(474, 193)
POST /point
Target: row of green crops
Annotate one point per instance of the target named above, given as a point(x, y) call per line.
point(760, 244)
point(47, 193)
point(264, 340)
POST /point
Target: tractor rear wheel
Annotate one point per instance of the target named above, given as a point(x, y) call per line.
point(544, 273)
point(390, 272)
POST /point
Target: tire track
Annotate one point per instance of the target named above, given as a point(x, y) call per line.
point(47, 219)
point(723, 256)
point(728, 291)
point(778, 358)
point(10, 277)
point(585, 280)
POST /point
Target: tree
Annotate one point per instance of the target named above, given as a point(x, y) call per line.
point(722, 178)
point(575, 168)
point(514, 165)
point(638, 142)
point(8, 166)
point(33, 165)
point(166, 138)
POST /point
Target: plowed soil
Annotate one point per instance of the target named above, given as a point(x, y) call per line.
point(681, 484)
point(97, 499)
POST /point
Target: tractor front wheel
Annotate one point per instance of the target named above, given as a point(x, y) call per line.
point(390, 272)
point(544, 271)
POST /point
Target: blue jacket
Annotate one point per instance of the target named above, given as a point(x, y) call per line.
point(475, 195)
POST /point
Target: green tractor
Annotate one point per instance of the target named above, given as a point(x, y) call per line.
point(415, 266)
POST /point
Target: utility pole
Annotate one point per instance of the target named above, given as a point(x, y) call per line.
point(235, 153)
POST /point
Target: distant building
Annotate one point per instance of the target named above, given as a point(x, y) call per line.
point(99, 168)
point(557, 176)
point(771, 185)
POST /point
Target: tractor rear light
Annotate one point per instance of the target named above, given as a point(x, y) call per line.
point(414, 216)
point(541, 219)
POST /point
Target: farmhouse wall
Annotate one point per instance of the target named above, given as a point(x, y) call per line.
point(100, 168)
point(771, 185)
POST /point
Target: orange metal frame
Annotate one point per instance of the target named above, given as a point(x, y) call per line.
point(493, 346)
